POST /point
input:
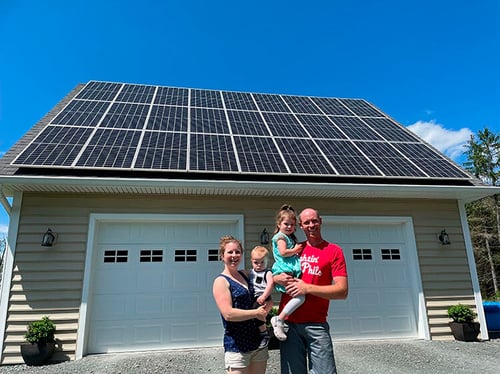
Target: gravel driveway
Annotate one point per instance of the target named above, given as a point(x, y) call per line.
point(376, 357)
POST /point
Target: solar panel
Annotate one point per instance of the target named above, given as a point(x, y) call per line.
point(162, 151)
point(142, 127)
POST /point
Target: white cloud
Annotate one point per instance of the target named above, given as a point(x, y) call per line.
point(450, 142)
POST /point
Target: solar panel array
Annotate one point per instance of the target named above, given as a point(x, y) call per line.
point(141, 127)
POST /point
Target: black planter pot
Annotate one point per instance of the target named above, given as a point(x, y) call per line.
point(37, 354)
point(465, 331)
point(274, 343)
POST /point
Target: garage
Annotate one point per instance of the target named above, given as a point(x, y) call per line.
point(384, 282)
point(152, 280)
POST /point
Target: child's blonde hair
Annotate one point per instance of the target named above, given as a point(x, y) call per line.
point(259, 252)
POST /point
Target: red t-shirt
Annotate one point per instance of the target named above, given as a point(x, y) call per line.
point(319, 266)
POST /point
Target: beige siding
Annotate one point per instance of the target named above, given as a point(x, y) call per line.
point(48, 281)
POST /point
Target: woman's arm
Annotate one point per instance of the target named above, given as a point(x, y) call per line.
point(222, 296)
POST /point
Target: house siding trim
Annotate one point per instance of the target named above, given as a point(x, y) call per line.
point(96, 218)
point(8, 266)
point(473, 270)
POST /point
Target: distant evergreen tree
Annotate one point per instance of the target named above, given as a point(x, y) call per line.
point(483, 160)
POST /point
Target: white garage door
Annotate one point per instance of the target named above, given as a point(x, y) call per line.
point(152, 285)
point(383, 285)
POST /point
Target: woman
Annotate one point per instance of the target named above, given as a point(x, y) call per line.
point(234, 298)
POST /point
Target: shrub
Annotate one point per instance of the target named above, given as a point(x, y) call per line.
point(273, 312)
point(41, 331)
point(461, 313)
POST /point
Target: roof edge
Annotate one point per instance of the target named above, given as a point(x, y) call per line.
point(11, 184)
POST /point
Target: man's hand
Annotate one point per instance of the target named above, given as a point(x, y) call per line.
point(283, 279)
point(296, 287)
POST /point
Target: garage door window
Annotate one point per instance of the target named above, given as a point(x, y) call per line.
point(362, 254)
point(390, 254)
point(154, 255)
point(118, 255)
point(213, 255)
point(185, 255)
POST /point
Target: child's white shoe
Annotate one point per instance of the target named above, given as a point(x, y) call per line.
point(279, 328)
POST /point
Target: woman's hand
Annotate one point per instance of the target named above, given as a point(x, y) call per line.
point(261, 313)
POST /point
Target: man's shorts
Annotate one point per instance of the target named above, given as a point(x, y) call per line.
point(239, 360)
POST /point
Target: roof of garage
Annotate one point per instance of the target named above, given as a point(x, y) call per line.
point(127, 138)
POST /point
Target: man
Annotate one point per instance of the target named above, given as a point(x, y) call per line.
point(324, 277)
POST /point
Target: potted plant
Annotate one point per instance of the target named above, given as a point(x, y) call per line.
point(463, 326)
point(41, 342)
point(274, 343)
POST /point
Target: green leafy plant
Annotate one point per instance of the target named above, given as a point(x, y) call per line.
point(273, 312)
point(41, 331)
point(461, 313)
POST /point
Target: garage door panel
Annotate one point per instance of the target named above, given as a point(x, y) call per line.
point(341, 326)
point(381, 301)
point(396, 298)
point(158, 295)
point(370, 325)
point(362, 276)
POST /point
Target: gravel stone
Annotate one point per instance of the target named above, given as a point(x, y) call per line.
point(374, 357)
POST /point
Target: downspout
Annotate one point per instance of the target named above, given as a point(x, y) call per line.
point(473, 271)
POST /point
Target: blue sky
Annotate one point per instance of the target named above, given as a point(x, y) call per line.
point(432, 65)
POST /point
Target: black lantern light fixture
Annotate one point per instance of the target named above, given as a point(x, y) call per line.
point(48, 238)
point(264, 237)
point(444, 238)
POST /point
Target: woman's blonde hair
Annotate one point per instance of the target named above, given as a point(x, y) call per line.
point(225, 240)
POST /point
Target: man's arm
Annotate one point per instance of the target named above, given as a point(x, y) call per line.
point(338, 290)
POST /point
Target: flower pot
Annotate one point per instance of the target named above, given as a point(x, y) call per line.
point(38, 353)
point(465, 331)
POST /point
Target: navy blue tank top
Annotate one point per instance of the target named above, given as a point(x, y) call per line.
point(243, 336)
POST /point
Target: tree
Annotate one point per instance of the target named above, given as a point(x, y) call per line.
point(483, 160)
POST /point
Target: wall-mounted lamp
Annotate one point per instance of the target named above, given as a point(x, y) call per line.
point(444, 238)
point(48, 238)
point(264, 237)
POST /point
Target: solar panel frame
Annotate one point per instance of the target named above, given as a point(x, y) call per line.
point(239, 100)
point(209, 121)
point(103, 91)
point(212, 153)
point(109, 148)
point(247, 123)
point(82, 113)
point(163, 151)
point(355, 128)
point(134, 93)
point(172, 96)
point(206, 99)
point(284, 125)
point(259, 155)
point(168, 118)
point(271, 103)
point(126, 116)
